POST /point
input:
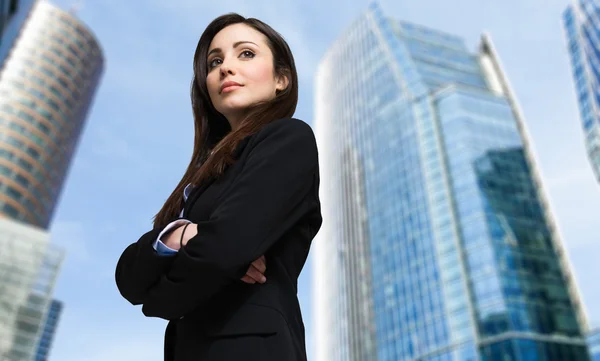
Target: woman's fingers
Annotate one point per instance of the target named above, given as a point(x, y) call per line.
point(260, 265)
point(248, 279)
point(256, 271)
point(255, 274)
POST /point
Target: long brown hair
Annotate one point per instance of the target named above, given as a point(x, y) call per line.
point(214, 140)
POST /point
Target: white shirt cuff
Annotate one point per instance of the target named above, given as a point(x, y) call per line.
point(159, 246)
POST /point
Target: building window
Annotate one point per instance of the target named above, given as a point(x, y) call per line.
point(11, 211)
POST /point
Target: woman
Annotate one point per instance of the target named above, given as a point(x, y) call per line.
point(222, 261)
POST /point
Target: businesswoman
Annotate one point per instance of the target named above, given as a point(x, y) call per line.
point(223, 258)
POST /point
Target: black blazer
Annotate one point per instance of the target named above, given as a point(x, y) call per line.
point(266, 203)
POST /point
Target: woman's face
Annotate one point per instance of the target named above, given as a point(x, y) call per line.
point(240, 71)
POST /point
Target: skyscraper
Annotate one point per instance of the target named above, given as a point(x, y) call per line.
point(8, 8)
point(13, 14)
point(594, 344)
point(437, 241)
point(50, 67)
point(581, 21)
point(50, 325)
point(47, 84)
point(29, 266)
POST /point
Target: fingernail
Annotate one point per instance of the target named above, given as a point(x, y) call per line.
point(263, 279)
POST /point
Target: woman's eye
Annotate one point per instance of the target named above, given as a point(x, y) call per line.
point(213, 63)
point(248, 54)
point(216, 61)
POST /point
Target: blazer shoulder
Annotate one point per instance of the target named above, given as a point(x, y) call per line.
point(287, 130)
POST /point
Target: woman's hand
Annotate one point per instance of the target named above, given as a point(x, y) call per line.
point(255, 273)
point(173, 238)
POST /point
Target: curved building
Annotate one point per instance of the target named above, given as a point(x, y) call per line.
point(437, 243)
point(47, 85)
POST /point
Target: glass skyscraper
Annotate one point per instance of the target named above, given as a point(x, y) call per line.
point(49, 330)
point(29, 266)
point(594, 344)
point(47, 84)
point(8, 8)
point(50, 68)
point(438, 243)
point(581, 21)
point(13, 14)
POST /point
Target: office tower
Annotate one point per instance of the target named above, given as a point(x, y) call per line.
point(50, 67)
point(49, 330)
point(47, 84)
point(594, 344)
point(581, 21)
point(13, 14)
point(29, 266)
point(8, 9)
point(438, 242)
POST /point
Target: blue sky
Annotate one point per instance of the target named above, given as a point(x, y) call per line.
point(139, 135)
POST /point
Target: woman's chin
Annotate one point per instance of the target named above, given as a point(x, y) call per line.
point(234, 106)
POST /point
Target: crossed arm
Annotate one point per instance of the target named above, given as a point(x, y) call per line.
point(179, 232)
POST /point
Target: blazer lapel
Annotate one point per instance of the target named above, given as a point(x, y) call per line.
point(195, 194)
point(197, 191)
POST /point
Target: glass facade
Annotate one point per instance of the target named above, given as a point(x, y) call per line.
point(8, 8)
point(46, 87)
point(49, 330)
point(581, 21)
point(594, 344)
point(437, 243)
point(29, 266)
point(13, 14)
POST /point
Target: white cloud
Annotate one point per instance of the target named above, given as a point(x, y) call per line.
point(80, 254)
point(570, 179)
point(111, 146)
point(72, 236)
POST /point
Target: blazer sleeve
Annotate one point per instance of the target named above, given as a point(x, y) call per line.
point(263, 203)
point(140, 267)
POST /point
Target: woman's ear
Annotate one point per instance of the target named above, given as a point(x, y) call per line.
point(282, 83)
